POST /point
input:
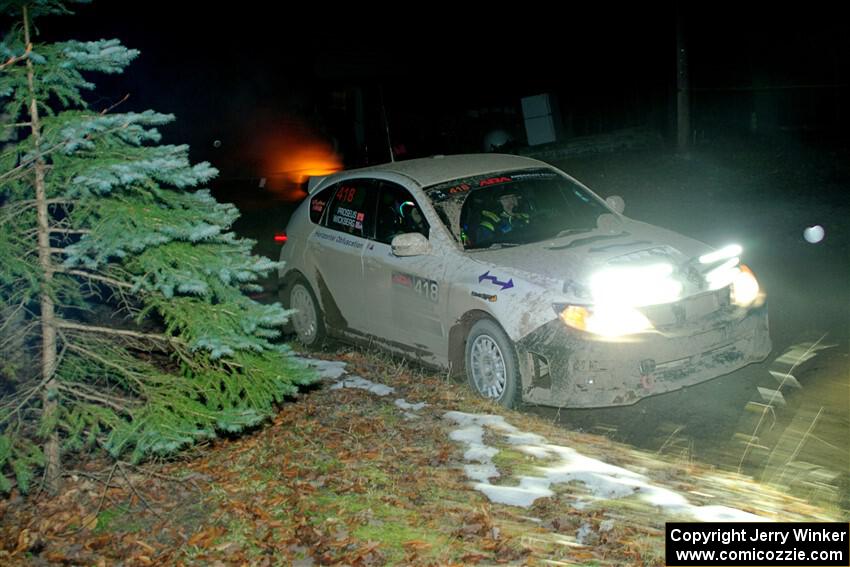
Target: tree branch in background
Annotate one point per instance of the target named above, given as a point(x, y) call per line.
point(64, 324)
point(95, 277)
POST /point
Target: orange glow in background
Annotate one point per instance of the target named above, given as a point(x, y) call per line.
point(292, 157)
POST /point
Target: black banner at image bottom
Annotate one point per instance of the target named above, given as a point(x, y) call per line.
point(763, 544)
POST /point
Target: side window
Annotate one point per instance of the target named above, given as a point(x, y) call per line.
point(319, 202)
point(352, 210)
point(398, 213)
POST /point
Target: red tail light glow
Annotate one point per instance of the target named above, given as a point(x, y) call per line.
point(280, 238)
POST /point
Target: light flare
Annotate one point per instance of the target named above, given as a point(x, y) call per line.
point(606, 321)
point(309, 161)
point(722, 254)
point(745, 288)
point(294, 156)
point(722, 275)
point(635, 286)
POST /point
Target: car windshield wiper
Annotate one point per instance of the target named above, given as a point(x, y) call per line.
point(568, 231)
point(495, 246)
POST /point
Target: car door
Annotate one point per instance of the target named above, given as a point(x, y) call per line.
point(336, 248)
point(406, 296)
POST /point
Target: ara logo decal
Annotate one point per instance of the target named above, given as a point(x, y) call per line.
point(505, 285)
point(494, 181)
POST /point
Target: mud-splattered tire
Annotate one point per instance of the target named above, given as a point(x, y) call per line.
point(308, 321)
point(491, 364)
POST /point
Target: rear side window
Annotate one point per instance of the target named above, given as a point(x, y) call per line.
point(319, 203)
point(352, 209)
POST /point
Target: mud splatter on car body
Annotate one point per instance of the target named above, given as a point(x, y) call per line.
point(425, 301)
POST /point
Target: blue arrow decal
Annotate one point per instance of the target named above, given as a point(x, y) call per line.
point(505, 285)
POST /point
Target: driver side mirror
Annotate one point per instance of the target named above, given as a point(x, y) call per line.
point(410, 244)
point(617, 203)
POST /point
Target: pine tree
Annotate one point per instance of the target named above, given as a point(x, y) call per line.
point(118, 277)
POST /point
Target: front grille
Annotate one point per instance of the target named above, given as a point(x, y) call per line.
point(651, 254)
point(689, 310)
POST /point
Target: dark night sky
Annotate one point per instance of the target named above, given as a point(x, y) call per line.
point(235, 73)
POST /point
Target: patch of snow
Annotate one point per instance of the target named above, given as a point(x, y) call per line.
point(493, 421)
point(530, 489)
point(601, 479)
point(335, 370)
point(535, 451)
point(480, 453)
point(525, 439)
point(327, 369)
point(664, 498)
point(600, 486)
point(472, 435)
point(402, 404)
point(481, 473)
point(363, 384)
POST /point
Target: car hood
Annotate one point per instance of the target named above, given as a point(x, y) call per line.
point(569, 261)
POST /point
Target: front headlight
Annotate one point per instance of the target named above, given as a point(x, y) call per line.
point(745, 287)
point(635, 285)
point(614, 321)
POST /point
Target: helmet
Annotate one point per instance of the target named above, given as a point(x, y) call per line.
point(405, 208)
point(508, 193)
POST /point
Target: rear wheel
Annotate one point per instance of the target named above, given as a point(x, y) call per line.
point(307, 321)
point(491, 363)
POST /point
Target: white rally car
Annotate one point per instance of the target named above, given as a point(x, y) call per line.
point(511, 271)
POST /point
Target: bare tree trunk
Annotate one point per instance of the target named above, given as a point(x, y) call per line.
point(53, 467)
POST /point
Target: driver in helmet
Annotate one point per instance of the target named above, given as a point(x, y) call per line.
point(507, 219)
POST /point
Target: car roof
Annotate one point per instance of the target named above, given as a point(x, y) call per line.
point(438, 169)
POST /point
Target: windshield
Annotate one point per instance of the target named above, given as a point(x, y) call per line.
point(514, 208)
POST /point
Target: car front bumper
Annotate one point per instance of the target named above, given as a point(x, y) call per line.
point(562, 367)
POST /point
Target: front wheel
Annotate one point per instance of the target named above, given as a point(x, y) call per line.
point(491, 363)
point(307, 321)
